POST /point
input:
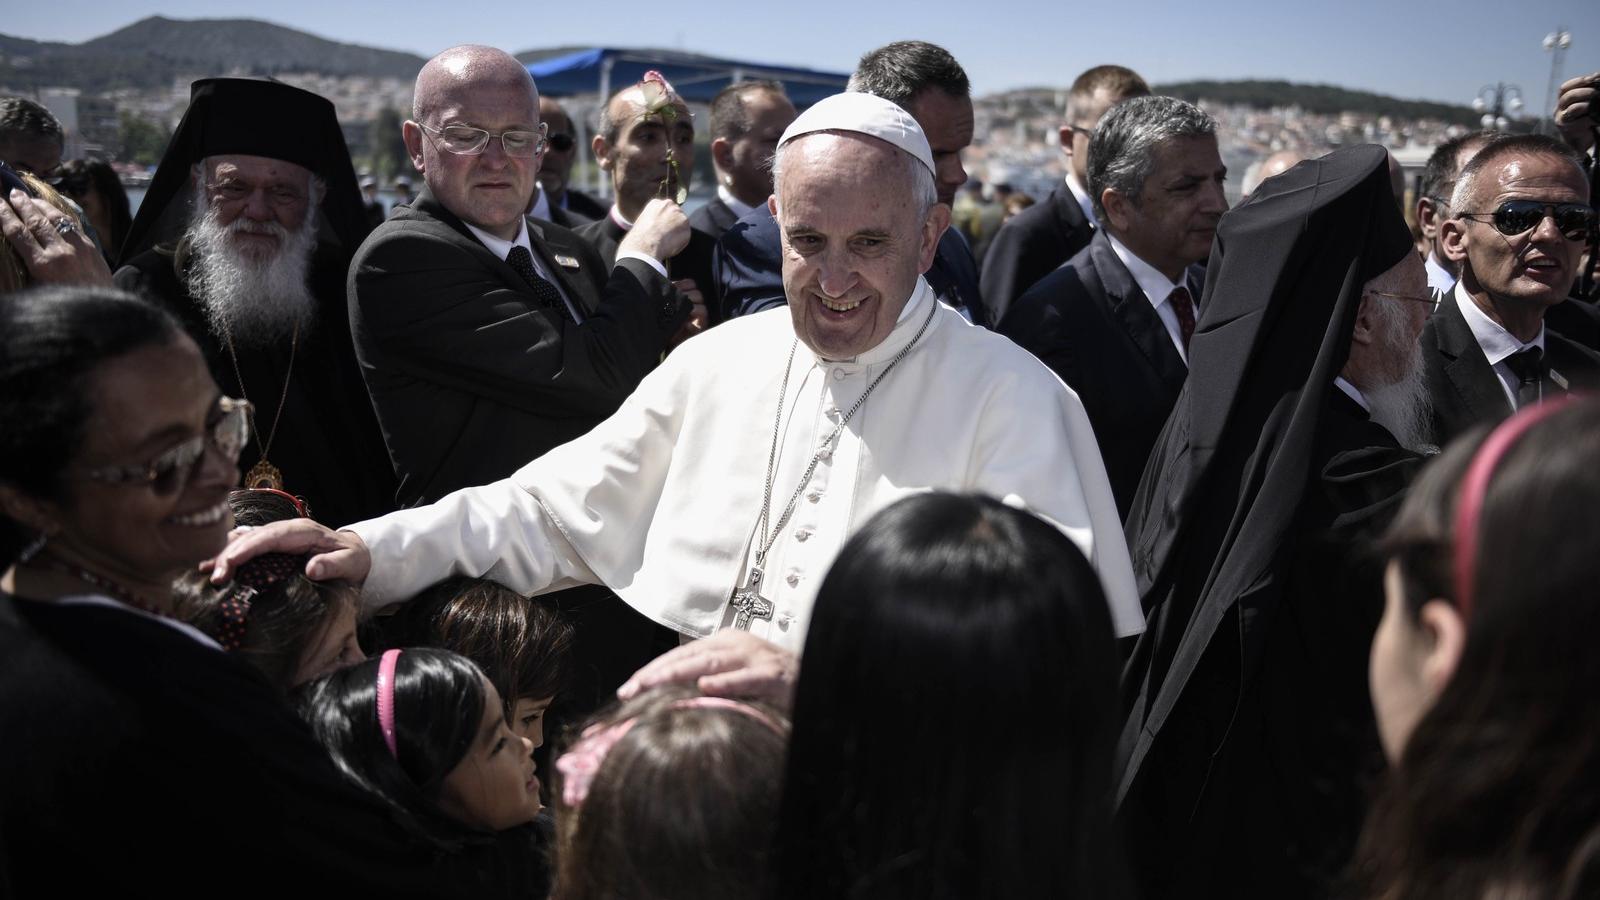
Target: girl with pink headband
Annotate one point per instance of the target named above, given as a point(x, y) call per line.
point(424, 732)
point(1484, 671)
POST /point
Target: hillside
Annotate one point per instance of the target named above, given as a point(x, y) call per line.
point(1316, 98)
point(152, 52)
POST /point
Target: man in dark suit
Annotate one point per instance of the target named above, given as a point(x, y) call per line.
point(1519, 217)
point(556, 200)
point(747, 118)
point(646, 144)
point(1040, 238)
point(1115, 321)
point(487, 338)
point(927, 82)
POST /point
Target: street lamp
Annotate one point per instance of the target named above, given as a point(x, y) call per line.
point(1494, 101)
point(1556, 42)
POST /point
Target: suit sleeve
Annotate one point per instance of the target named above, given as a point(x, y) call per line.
point(747, 271)
point(433, 311)
point(1001, 279)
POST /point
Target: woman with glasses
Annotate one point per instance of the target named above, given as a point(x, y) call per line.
point(133, 750)
point(1483, 671)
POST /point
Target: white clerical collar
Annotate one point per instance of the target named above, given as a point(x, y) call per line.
point(906, 327)
point(616, 216)
point(1351, 391)
point(500, 246)
point(1497, 343)
point(541, 204)
point(1156, 286)
point(739, 207)
point(1439, 278)
point(1081, 194)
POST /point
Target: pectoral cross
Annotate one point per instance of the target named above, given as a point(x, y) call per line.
point(748, 602)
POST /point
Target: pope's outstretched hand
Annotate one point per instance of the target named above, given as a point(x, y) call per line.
point(727, 664)
point(335, 554)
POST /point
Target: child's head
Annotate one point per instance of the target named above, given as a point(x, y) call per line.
point(671, 795)
point(291, 628)
point(521, 643)
point(424, 731)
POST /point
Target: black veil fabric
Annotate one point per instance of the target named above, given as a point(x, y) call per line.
point(255, 117)
point(1210, 524)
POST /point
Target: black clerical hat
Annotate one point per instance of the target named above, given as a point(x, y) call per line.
point(257, 117)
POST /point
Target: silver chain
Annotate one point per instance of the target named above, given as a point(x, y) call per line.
point(764, 540)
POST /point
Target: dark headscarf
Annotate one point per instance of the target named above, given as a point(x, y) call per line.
point(1219, 496)
point(255, 117)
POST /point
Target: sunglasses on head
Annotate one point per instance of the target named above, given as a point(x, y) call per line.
point(561, 143)
point(1575, 221)
point(169, 473)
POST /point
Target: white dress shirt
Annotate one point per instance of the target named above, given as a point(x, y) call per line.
point(1496, 342)
point(739, 207)
point(1157, 289)
point(1439, 278)
point(1081, 194)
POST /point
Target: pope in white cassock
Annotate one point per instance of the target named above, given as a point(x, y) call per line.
point(718, 495)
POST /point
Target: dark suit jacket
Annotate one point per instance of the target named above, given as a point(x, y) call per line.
point(1032, 245)
point(470, 376)
point(586, 206)
point(1090, 323)
point(694, 261)
point(1463, 387)
point(566, 218)
point(713, 218)
point(748, 267)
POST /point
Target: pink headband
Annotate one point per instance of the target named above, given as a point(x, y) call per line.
point(386, 699)
point(1475, 484)
point(579, 765)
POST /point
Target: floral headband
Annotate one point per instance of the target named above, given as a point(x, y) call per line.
point(249, 581)
point(579, 764)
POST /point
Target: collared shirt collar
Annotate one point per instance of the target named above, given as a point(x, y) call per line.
point(541, 204)
point(1439, 278)
point(905, 328)
point(1081, 194)
point(739, 207)
point(500, 246)
point(1156, 286)
point(1497, 343)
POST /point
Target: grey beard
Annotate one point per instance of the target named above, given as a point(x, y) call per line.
point(1404, 407)
point(251, 301)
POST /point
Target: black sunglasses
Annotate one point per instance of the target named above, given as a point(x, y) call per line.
point(1575, 221)
point(561, 143)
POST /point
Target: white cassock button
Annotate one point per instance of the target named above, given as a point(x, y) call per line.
point(825, 453)
point(838, 374)
point(783, 621)
point(792, 578)
point(832, 412)
point(813, 496)
point(801, 534)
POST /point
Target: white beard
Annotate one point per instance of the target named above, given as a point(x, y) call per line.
point(1403, 406)
point(252, 301)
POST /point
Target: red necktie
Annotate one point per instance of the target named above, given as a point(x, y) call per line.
point(1183, 307)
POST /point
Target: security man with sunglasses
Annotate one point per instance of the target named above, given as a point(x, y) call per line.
point(1520, 217)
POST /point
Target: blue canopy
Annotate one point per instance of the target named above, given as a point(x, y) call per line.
point(697, 78)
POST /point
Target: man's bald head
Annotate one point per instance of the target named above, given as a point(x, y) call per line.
point(467, 67)
point(1276, 164)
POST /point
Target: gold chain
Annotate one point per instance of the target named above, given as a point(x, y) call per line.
point(266, 446)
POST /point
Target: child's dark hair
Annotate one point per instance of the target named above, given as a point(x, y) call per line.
point(521, 643)
point(680, 806)
point(283, 619)
point(438, 708)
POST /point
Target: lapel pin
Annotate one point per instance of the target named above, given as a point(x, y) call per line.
point(566, 262)
point(1561, 382)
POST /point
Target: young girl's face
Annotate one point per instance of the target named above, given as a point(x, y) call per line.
point(333, 648)
point(493, 787)
point(527, 718)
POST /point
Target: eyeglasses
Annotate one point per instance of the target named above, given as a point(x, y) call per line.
point(464, 140)
point(169, 473)
point(1414, 298)
point(1575, 221)
point(52, 177)
point(561, 143)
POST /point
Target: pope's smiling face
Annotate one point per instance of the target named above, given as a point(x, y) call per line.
point(854, 239)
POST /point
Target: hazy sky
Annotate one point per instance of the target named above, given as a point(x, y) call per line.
point(1443, 50)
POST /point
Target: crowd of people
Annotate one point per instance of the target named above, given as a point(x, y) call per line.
point(513, 543)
